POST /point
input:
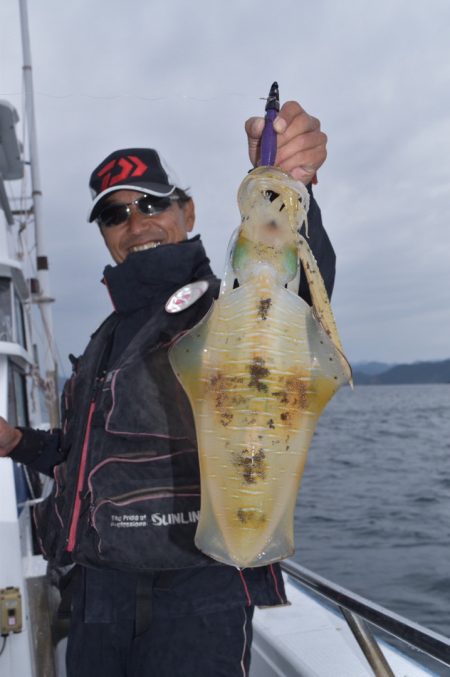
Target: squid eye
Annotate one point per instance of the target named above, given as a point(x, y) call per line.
point(270, 195)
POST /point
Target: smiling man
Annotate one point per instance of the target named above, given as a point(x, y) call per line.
point(123, 513)
point(130, 186)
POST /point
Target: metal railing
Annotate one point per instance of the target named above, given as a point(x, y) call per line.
point(356, 610)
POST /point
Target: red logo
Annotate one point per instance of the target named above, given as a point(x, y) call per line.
point(127, 166)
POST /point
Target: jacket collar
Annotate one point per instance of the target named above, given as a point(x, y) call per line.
point(149, 277)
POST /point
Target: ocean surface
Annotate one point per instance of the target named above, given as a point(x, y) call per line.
point(373, 513)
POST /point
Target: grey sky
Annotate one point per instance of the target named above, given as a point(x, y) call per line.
point(184, 76)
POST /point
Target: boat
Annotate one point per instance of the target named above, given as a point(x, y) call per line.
point(23, 572)
point(328, 631)
point(28, 396)
point(324, 631)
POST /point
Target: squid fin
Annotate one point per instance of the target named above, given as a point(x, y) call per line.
point(187, 354)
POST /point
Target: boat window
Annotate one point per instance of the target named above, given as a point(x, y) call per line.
point(19, 321)
point(6, 333)
point(17, 397)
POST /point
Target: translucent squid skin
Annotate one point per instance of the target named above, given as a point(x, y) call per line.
point(258, 371)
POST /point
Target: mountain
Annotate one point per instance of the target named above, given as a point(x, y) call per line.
point(416, 373)
point(371, 368)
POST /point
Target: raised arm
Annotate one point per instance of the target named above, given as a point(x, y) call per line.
point(301, 151)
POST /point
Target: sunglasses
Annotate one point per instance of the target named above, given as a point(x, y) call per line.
point(147, 205)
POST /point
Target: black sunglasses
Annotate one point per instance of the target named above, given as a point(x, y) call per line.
point(148, 205)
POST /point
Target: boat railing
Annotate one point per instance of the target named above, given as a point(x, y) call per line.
point(358, 612)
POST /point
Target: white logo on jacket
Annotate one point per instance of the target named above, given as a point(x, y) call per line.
point(157, 519)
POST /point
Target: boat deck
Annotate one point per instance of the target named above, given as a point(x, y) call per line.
point(311, 639)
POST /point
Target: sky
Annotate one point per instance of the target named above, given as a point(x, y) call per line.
point(184, 77)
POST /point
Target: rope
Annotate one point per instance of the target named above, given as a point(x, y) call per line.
point(5, 637)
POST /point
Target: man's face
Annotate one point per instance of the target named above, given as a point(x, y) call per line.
point(140, 232)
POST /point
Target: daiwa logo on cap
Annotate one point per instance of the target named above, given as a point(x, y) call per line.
point(138, 169)
point(129, 166)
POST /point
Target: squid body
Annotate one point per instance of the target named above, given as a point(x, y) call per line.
point(258, 371)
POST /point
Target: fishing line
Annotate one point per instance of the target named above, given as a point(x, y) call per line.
point(185, 97)
point(108, 97)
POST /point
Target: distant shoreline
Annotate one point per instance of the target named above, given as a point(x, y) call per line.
point(375, 373)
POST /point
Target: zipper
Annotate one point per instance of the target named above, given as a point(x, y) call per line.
point(82, 472)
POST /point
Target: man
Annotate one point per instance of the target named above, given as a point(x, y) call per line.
point(145, 601)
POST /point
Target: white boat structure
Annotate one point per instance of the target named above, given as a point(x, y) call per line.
point(326, 631)
point(23, 581)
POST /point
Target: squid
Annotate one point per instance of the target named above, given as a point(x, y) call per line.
point(258, 370)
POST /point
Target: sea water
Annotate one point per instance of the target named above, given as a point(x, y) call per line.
point(373, 513)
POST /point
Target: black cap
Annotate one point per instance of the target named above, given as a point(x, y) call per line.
point(141, 169)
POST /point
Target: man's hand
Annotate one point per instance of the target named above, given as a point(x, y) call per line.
point(301, 146)
point(9, 437)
